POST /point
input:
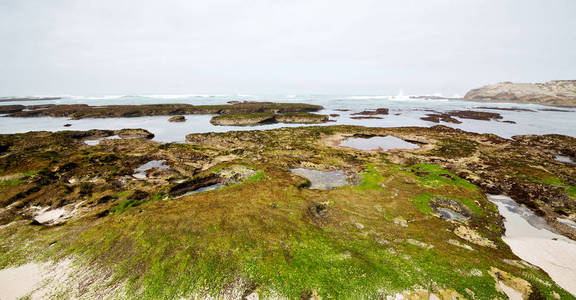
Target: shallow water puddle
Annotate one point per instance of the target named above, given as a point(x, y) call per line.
point(567, 222)
point(204, 189)
point(450, 214)
point(140, 172)
point(531, 239)
point(322, 180)
point(378, 143)
point(565, 159)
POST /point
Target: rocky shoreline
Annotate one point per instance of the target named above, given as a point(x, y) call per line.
point(422, 210)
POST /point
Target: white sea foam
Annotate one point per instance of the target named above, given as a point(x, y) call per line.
point(368, 97)
point(181, 96)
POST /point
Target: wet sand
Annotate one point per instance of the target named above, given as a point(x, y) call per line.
point(19, 281)
point(533, 241)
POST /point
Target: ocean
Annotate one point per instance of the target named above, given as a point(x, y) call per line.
point(404, 111)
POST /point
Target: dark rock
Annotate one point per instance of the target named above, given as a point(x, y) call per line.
point(8, 109)
point(177, 119)
point(134, 134)
point(436, 118)
point(378, 111)
point(448, 117)
point(139, 195)
point(194, 184)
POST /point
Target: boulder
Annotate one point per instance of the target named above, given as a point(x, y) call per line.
point(177, 119)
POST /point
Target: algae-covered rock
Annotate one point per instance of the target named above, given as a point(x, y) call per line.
point(250, 119)
point(134, 134)
point(301, 118)
point(81, 111)
point(243, 119)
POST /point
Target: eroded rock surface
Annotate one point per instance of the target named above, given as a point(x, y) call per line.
point(556, 92)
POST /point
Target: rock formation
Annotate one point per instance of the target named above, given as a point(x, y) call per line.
point(556, 93)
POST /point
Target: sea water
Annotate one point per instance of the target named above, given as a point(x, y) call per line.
point(404, 111)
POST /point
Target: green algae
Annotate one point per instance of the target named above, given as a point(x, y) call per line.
point(210, 242)
point(430, 175)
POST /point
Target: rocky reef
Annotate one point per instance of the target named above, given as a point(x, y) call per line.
point(81, 111)
point(249, 119)
point(448, 117)
point(223, 215)
point(556, 93)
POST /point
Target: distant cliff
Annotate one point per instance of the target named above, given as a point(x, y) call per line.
point(556, 92)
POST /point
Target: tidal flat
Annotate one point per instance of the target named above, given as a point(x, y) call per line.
point(265, 232)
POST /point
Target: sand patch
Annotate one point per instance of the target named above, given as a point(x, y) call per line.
point(539, 246)
point(20, 281)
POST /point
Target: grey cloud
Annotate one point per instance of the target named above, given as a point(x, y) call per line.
point(281, 46)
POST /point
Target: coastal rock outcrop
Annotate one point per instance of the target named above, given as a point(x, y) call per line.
point(555, 92)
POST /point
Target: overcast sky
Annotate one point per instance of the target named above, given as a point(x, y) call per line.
point(281, 46)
